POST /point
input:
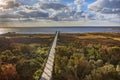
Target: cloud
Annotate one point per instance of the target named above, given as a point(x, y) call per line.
point(50, 1)
point(108, 10)
point(27, 2)
point(32, 14)
point(78, 1)
point(9, 4)
point(106, 6)
point(17, 3)
point(12, 4)
point(55, 6)
point(39, 10)
point(67, 15)
point(112, 17)
point(62, 15)
point(78, 4)
point(23, 12)
point(9, 15)
point(52, 10)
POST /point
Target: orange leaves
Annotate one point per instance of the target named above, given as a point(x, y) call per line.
point(8, 72)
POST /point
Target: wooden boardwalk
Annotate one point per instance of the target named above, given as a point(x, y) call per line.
point(47, 73)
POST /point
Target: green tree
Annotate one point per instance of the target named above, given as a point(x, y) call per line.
point(6, 56)
point(114, 55)
point(27, 68)
point(78, 67)
point(106, 72)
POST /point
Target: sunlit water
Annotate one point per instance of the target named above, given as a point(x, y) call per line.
point(37, 30)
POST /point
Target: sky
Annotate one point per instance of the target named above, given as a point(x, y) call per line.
point(82, 12)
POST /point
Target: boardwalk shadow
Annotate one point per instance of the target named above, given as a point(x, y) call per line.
point(51, 60)
point(43, 78)
point(47, 74)
point(49, 64)
point(48, 68)
point(51, 57)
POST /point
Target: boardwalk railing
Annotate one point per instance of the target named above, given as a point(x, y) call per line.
point(47, 73)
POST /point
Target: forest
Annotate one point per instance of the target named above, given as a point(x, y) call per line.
point(87, 56)
point(23, 56)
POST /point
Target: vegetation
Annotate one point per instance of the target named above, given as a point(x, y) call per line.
point(22, 57)
point(87, 56)
point(84, 56)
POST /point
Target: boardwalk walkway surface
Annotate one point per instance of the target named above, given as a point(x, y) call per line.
point(47, 73)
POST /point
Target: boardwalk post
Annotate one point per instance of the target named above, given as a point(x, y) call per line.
point(47, 73)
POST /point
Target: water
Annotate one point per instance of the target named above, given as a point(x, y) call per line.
point(47, 30)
